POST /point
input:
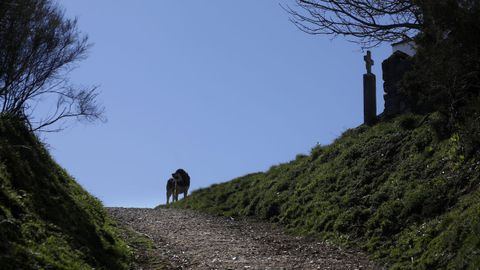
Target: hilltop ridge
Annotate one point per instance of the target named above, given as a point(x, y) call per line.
point(401, 190)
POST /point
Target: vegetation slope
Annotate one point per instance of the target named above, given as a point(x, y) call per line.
point(401, 190)
point(47, 221)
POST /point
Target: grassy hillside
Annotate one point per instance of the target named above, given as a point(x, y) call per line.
point(47, 221)
point(401, 190)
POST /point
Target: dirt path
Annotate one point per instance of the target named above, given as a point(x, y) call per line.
point(194, 240)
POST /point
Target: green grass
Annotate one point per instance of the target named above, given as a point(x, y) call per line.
point(47, 220)
point(401, 190)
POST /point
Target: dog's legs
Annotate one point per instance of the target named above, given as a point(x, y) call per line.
point(185, 194)
point(168, 197)
point(175, 191)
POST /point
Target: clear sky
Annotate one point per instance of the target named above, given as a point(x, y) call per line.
point(219, 88)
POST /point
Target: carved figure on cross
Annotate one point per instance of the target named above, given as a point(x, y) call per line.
point(368, 62)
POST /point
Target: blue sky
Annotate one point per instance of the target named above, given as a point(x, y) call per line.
point(219, 88)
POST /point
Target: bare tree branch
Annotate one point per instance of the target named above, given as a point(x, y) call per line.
point(367, 22)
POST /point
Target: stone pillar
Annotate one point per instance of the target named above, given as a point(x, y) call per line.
point(369, 99)
point(394, 68)
point(369, 92)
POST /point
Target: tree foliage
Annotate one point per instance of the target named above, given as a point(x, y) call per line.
point(446, 75)
point(39, 46)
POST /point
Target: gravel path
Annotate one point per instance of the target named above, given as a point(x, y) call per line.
point(194, 240)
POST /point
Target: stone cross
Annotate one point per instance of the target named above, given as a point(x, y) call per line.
point(368, 62)
point(369, 92)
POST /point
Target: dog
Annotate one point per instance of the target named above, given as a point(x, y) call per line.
point(179, 183)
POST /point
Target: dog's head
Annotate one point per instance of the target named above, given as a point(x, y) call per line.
point(180, 175)
point(176, 175)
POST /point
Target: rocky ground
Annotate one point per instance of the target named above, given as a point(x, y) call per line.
point(193, 240)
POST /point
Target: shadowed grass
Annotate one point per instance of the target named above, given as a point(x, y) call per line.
point(47, 220)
